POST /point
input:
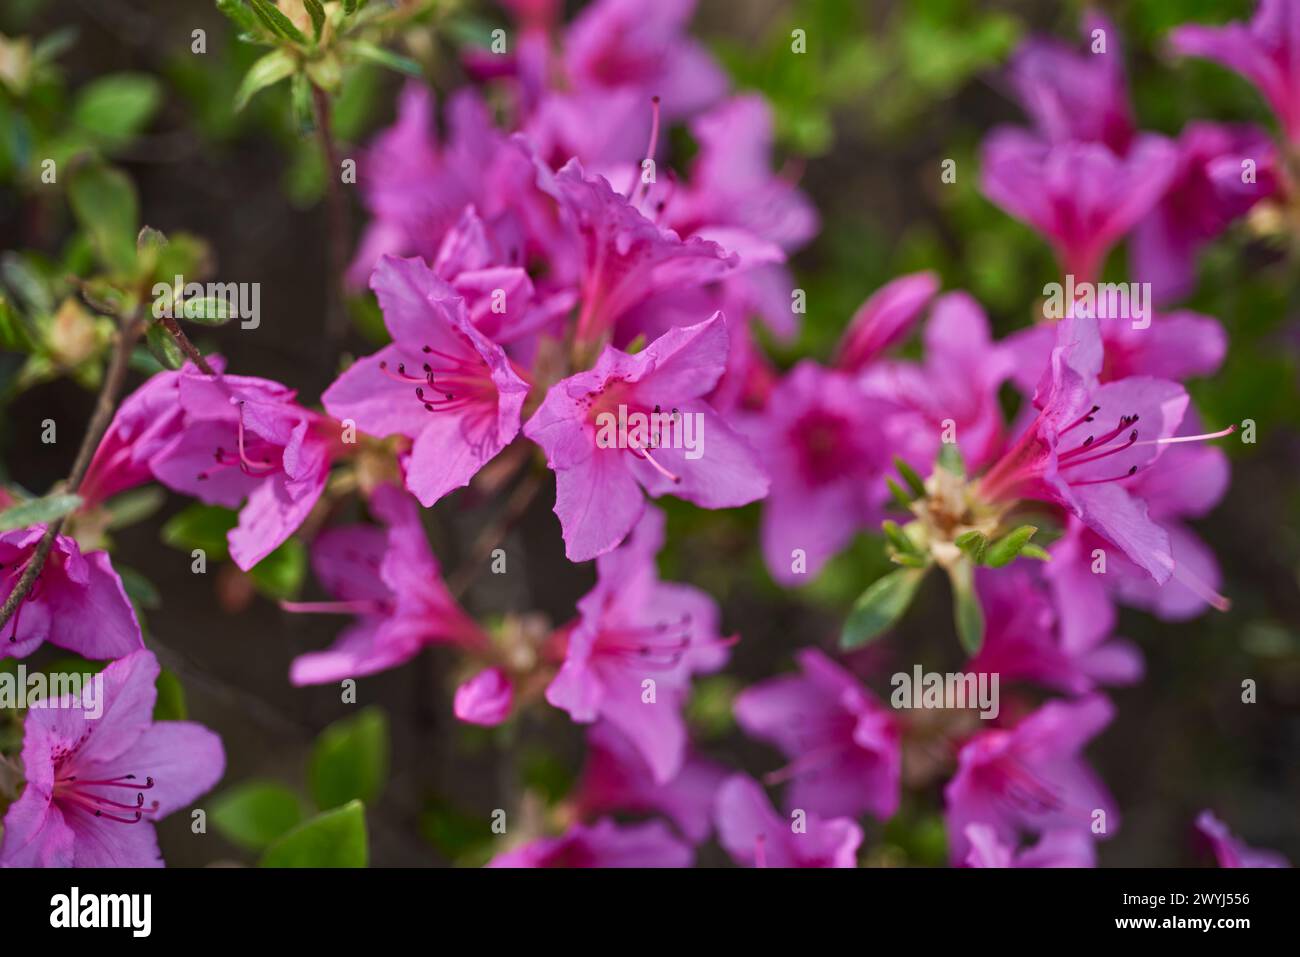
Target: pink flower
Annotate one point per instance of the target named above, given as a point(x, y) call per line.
point(842, 744)
point(146, 421)
point(1030, 778)
point(732, 191)
point(826, 444)
point(1174, 345)
point(1209, 190)
point(416, 187)
point(885, 319)
point(1229, 851)
point(756, 836)
point(441, 383)
point(598, 488)
point(1265, 51)
point(1066, 848)
point(485, 698)
point(616, 44)
point(1087, 577)
point(77, 601)
point(502, 301)
point(954, 388)
point(390, 580)
point(604, 844)
point(625, 258)
point(631, 654)
point(1027, 638)
point(1081, 197)
point(616, 777)
point(245, 441)
point(95, 786)
point(1064, 457)
point(1076, 95)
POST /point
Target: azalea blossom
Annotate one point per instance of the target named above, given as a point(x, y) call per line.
point(96, 786)
point(1266, 51)
point(1065, 848)
point(1087, 439)
point(598, 490)
point(1231, 852)
point(77, 601)
point(1031, 778)
point(843, 745)
point(1030, 636)
point(603, 844)
point(485, 698)
point(388, 578)
point(630, 655)
point(1080, 196)
point(616, 777)
point(442, 383)
point(244, 441)
point(756, 836)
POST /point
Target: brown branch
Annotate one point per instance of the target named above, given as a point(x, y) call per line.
point(337, 213)
point(183, 342)
point(492, 535)
point(105, 405)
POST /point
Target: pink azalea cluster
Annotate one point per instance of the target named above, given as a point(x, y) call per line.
point(547, 275)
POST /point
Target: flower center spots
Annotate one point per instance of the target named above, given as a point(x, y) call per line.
point(659, 646)
point(446, 382)
point(631, 426)
point(108, 798)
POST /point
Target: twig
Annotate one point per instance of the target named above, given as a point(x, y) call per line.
point(337, 213)
point(183, 341)
point(492, 535)
point(105, 405)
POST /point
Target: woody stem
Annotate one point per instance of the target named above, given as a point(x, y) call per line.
point(128, 332)
point(492, 535)
point(337, 213)
point(183, 341)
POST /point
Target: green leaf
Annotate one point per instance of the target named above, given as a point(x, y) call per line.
point(275, 21)
point(1004, 550)
point(207, 311)
point(272, 68)
point(200, 526)
point(1033, 551)
point(170, 705)
point(334, 838)
point(910, 477)
point(103, 200)
point(900, 497)
point(973, 543)
point(350, 760)
point(880, 606)
point(386, 58)
point(240, 15)
point(280, 574)
point(139, 589)
point(317, 14)
point(254, 814)
point(897, 537)
point(968, 615)
point(115, 108)
point(163, 347)
point(950, 459)
point(133, 506)
point(38, 511)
